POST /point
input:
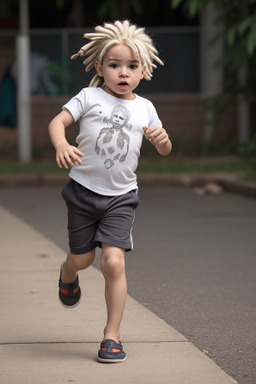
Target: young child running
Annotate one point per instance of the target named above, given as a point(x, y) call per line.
point(101, 195)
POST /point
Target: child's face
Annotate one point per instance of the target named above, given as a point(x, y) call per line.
point(122, 71)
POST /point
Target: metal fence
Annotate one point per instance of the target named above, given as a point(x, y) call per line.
point(179, 48)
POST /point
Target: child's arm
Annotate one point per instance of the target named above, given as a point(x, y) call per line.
point(66, 154)
point(159, 138)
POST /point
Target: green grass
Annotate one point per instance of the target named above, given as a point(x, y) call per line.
point(33, 167)
point(193, 166)
point(244, 169)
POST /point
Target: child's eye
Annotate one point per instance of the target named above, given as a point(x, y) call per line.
point(113, 65)
point(133, 66)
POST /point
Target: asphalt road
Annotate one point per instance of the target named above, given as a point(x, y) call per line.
point(194, 264)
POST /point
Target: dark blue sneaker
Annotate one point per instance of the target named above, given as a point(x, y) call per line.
point(111, 352)
point(69, 293)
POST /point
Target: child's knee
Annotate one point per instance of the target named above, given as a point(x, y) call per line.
point(112, 266)
point(80, 262)
point(113, 263)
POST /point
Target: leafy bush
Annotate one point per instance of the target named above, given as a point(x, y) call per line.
point(249, 149)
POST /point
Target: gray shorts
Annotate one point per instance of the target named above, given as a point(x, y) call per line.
point(94, 219)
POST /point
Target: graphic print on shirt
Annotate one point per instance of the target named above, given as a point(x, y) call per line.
point(113, 143)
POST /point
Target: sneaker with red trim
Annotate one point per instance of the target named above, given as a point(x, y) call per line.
point(111, 352)
point(69, 293)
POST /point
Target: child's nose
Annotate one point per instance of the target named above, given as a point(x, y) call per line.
point(124, 71)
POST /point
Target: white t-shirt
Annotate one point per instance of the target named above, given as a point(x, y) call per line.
point(110, 137)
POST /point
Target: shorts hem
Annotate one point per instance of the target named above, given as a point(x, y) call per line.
point(126, 246)
point(82, 251)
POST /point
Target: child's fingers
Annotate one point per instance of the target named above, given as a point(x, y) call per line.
point(61, 162)
point(156, 135)
point(146, 132)
point(78, 152)
point(64, 159)
point(69, 157)
point(77, 155)
point(159, 136)
point(58, 162)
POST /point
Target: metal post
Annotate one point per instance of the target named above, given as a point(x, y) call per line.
point(23, 86)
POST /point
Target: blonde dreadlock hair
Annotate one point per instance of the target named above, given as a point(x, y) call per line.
point(109, 35)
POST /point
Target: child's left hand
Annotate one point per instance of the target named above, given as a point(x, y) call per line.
point(159, 138)
point(156, 135)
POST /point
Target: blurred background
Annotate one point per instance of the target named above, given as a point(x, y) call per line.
point(205, 93)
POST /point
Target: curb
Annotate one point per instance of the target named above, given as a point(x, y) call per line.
point(228, 182)
point(241, 187)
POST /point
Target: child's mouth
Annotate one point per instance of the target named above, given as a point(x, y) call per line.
point(123, 84)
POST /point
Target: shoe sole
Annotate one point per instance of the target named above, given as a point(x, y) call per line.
point(70, 306)
point(101, 360)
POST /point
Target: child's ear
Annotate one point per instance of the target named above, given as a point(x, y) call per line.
point(143, 71)
point(99, 69)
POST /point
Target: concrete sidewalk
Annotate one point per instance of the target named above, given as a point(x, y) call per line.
point(42, 342)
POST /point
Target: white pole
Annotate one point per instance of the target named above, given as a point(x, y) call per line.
point(23, 86)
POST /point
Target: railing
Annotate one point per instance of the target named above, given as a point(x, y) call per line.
point(179, 48)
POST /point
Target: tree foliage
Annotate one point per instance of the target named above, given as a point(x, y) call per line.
point(238, 19)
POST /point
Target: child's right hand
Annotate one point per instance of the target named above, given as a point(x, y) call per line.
point(67, 155)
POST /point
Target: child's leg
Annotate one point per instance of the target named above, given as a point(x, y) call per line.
point(69, 289)
point(113, 269)
point(74, 264)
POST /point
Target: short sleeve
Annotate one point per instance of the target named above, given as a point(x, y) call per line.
point(153, 116)
point(77, 105)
